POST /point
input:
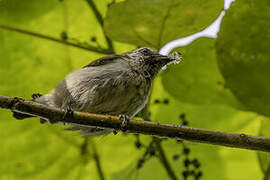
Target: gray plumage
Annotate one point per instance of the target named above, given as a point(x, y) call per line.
point(113, 85)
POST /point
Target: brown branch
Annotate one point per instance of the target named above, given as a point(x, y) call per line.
point(140, 127)
point(42, 36)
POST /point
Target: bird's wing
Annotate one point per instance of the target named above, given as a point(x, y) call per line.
point(104, 60)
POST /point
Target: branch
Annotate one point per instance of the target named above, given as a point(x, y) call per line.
point(140, 127)
point(42, 36)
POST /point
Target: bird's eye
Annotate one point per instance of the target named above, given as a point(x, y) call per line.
point(145, 51)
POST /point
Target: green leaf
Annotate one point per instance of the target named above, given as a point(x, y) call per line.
point(154, 23)
point(243, 53)
point(17, 11)
point(215, 117)
point(197, 79)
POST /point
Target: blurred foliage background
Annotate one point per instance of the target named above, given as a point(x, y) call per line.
point(221, 84)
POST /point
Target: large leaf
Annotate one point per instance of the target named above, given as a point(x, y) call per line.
point(156, 22)
point(243, 53)
point(197, 78)
point(18, 11)
point(221, 118)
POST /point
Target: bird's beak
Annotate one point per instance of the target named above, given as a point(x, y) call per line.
point(173, 58)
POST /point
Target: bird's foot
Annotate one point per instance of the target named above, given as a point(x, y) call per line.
point(18, 115)
point(35, 96)
point(68, 113)
point(43, 121)
point(125, 120)
point(14, 101)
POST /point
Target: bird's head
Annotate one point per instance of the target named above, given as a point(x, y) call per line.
point(150, 61)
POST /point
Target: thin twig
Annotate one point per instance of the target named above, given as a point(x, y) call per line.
point(42, 36)
point(100, 21)
point(164, 160)
point(266, 171)
point(162, 156)
point(55, 115)
point(97, 160)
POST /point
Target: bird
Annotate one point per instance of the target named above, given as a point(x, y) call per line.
point(116, 84)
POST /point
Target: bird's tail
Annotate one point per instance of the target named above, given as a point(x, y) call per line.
point(20, 116)
point(89, 131)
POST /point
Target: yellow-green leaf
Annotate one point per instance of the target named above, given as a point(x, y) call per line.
point(197, 79)
point(154, 23)
point(243, 53)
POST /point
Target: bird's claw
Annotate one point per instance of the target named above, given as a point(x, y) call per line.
point(35, 96)
point(114, 132)
point(12, 106)
point(14, 101)
point(125, 120)
point(68, 112)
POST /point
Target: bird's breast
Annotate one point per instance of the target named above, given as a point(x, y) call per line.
point(122, 94)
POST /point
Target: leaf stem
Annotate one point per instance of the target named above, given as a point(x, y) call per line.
point(97, 160)
point(164, 160)
point(42, 36)
point(101, 22)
